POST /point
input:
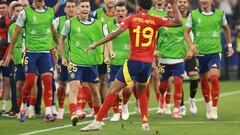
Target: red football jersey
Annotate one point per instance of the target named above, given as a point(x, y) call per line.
point(143, 29)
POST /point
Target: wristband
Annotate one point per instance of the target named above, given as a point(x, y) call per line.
point(230, 45)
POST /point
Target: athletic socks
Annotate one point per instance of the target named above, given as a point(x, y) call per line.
point(47, 93)
point(177, 91)
point(116, 106)
point(27, 87)
point(193, 88)
point(109, 101)
point(182, 101)
point(215, 89)
point(73, 109)
point(205, 89)
point(143, 103)
point(61, 94)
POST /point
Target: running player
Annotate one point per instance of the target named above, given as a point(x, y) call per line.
point(81, 31)
point(172, 50)
point(119, 52)
point(39, 32)
point(206, 24)
point(70, 8)
point(190, 66)
point(143, 31)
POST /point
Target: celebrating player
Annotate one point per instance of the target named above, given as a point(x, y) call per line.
point(39, 32)
point(143, 31)
point(81, 31)
point(206, 24)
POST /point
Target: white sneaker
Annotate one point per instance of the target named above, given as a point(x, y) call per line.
point(31, 112)
point(54, 110)
point(145, 127)
point(209, 110)
point(90, 113)
point(95, 125)
point(214, 115)
point(168, 109)
point(60, 114)
point(115, 117)
point(125, 113)
point(192, 105)
point(137, 107)
point(182, 110)
point(161, 111)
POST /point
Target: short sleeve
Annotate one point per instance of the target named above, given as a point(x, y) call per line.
point(105, 30)
point(224, 20)
point(21, 18)
point(8, 38)
point(66, 28)
point(163, 21)
point(56, 23)
point(125, 24)
point(189, 21)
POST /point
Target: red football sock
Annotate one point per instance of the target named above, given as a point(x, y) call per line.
point(148, 91)
point(168, 97)
point(33, 100)
point(72, 108)
point(205, 89)
point(143, 103)
point(61, 94)
point(215, 89)
point(108, 103)
point(126, 96)
point(163, 87)
point(28, 85)
point(178, 91)
point(47, 93)
point(96, 108)
point(116, 106)
point(19, 102)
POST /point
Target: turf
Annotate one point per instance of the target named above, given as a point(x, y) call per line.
point(228, 123)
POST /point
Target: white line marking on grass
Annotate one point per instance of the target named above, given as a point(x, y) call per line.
point(191, 122)
point(131, 113)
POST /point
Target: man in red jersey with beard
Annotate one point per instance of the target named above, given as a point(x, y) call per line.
point(143, 31)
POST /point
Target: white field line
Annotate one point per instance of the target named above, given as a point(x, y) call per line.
point(131, 113)
point(192, 122)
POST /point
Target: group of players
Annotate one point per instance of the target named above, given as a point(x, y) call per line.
point(137, 47)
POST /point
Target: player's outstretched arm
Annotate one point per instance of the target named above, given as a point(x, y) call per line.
point(109, 37)
point(12, 43)
point(177, 21)
point(227, 33)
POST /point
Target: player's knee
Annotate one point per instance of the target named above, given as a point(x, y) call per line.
point(47, 79)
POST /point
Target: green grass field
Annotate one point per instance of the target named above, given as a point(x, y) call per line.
point(228, 123)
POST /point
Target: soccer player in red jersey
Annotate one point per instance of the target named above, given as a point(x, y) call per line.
point(143, 31)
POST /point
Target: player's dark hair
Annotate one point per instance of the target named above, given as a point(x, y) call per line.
point(4, 2)
point(70, 1)
point(145, 4)
point(120, 3)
